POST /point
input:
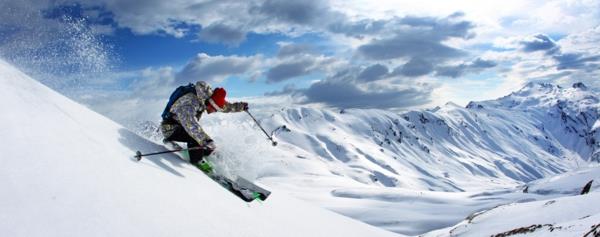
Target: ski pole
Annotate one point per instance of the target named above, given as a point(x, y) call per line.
point(138, 154)
point(261, 128)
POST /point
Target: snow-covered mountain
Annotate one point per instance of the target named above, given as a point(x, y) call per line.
point(538, 131)
point(367, 163)
point(421, 170)
point(68, 171)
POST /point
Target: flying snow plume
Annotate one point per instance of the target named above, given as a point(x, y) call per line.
point(59, 48)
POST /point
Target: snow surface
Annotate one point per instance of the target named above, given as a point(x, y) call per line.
point(559, 217)
point(565, 215)
point(68, 171)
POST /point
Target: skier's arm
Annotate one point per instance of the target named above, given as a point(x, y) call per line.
point(185, 115)
point(235, 107)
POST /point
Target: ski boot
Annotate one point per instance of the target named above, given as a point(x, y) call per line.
point(204, 166)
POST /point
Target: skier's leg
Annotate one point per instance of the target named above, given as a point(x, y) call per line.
point(178, 135)
point(181, 135)
point(196, 155)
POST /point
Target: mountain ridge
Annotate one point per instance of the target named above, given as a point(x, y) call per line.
point(440, 133)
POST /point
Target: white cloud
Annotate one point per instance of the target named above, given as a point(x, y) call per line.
point(379, 94)
point(585, 41)
point(217, 68)
point(529, 16)
point(287, 68)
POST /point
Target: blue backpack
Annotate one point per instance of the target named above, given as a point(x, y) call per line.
point(178, 93)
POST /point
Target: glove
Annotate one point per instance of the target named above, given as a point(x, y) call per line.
point(244, 106)
point(209, 146)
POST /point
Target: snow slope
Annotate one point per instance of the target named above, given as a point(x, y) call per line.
point(566, 213)
point(68, 171)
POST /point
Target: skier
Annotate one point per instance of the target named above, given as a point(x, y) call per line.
point(181, 115)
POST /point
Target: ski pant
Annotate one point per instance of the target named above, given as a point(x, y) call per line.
point(180, 135)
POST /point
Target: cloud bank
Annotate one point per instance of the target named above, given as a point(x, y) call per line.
point(373, 59)
point(216, 68)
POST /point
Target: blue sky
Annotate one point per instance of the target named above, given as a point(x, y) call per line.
point(124, 55)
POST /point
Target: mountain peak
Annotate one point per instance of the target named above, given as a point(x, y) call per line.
point(536, 88)
point(541, 94)
point(540, 85)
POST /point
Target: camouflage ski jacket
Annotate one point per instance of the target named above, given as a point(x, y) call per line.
point(188, 109)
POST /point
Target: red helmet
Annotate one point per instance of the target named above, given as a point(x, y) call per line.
point(217, 99)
